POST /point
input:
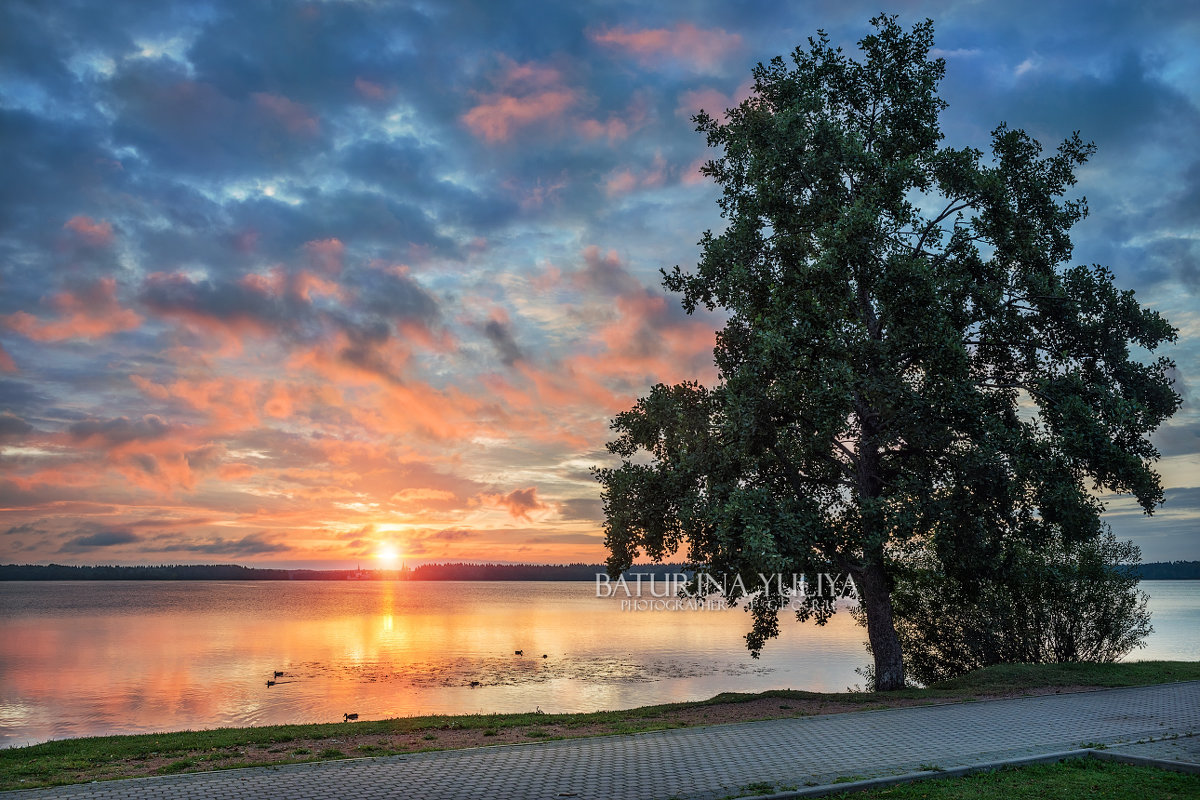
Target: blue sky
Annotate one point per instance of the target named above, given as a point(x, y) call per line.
point(293, 282)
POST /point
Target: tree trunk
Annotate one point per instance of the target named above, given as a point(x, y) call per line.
point(876, 601)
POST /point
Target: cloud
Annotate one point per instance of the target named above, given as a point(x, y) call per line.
point(297, 119)
point(251, 545)
point(12, 426)
point(392, 292)
point(497, 117)
point(524, 94)
point(589, 509)
point(113, 432)
point(252, 302)
point(374, 92)
point(499, 332)
point(92, 311)
point(606, 272)
point(200, 125)
point(627, 180)
point(100, 539)
point(326, 255)
point(450, 535)
point(712, 101)
point(701, 49)
point(520, 502)
point(89, 231)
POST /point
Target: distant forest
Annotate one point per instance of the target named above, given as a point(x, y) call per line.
point(1169, 571)
point(1163, 570)
point(232, 572)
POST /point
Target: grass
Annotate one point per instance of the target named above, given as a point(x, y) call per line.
point(1016, 677)
point(1077, 778)
point(100, 758)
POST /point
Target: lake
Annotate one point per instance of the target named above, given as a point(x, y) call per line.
point(89, 658)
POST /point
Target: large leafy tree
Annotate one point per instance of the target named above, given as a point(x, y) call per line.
point(908, 363)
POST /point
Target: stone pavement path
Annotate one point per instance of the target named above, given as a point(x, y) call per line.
point(706, 763)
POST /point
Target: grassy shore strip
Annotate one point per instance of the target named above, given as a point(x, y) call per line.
point(108, 757)
point(1076, 778)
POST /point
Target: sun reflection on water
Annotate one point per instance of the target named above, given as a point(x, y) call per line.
point(94, 658)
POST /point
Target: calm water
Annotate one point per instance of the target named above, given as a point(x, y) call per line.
point(87, 658)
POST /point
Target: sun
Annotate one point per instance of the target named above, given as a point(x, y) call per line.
point(388, 556)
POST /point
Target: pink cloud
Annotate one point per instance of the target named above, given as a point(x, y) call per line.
point(369, 90)
point(90, 231)
point(235, 472)
point(6, 362)
point(523, 94)
point(520, 502)
point(712, 101)
point(293, 116)
point(229, 403)
point(537, 195)
point(614, 129)
point(626, 180)
point(692, 174)
point(325, 255)
point(306, 284)
point(280, 403)
point(514, 76)
point(498, 116)
point(262, 303)
point(605, 272)
point(702, 49)
point(638, 333)
point(149, 387)
point(621, 182)
point(91, 312)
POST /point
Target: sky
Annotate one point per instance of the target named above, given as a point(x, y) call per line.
point(295, 283)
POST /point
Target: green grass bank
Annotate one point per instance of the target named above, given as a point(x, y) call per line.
point(109, 757)
point(1077, 779)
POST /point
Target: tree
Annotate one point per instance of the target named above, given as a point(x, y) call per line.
point(907, 363)
point(1051, 603)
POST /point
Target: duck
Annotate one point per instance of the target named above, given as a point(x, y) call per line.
point(545, 656)
point(270, 683)
point(278, 674)
point(474, 684)
point(348, 717)
point(518, 652)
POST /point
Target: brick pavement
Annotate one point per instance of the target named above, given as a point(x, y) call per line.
point(705, 763)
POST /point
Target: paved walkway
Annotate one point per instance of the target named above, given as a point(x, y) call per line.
point(708, 763)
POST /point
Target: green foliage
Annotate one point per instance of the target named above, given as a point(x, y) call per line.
point(1057, 602)
point(907, 365)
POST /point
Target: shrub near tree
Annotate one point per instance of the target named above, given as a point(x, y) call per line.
point(909, 365)
point(1048, 601)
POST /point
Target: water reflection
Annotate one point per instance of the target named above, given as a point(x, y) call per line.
point(91, 658)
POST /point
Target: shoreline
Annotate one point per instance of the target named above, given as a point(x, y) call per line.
point(63, 761)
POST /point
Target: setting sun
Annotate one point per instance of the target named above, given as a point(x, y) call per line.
point(388, 556)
